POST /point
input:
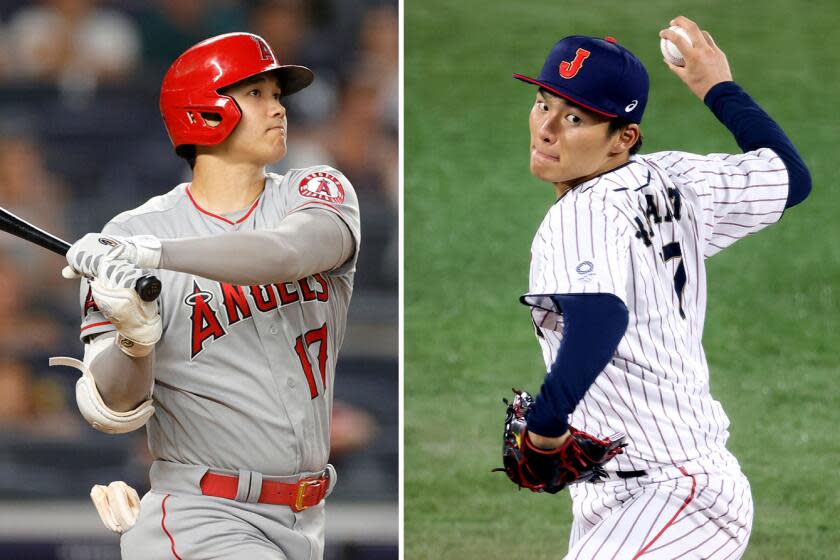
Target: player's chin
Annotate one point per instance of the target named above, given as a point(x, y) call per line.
point(274, 152)
point(544, 170)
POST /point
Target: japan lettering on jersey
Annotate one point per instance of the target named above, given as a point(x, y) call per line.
point(642, 232)
point(244, 374)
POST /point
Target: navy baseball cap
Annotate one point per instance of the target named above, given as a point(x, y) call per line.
point(597, 74)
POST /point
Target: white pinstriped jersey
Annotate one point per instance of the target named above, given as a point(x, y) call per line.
point(642, 232)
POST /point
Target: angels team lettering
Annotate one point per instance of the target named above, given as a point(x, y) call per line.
point(90, 305)
point(211, 320)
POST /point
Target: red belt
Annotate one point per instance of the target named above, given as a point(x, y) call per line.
point(299, 495)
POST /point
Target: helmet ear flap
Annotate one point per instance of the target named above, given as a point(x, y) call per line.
point(230, 115)
point(208, 123)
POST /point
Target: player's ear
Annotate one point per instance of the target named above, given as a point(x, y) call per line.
point(626, 138)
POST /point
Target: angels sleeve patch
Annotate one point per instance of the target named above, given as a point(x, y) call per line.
point(322, 186)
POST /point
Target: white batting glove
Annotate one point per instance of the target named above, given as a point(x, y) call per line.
point(87, 255)
point(117, 504)
point(141, 250)
point(137, 322)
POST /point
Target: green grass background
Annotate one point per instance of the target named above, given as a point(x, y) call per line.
point(471, 209)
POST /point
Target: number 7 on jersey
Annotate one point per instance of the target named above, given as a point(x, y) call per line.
point(673, 251)
point(305, 341)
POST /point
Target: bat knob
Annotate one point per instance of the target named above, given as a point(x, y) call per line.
point(148, 288)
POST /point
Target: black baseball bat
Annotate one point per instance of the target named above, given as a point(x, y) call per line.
point(147, 287)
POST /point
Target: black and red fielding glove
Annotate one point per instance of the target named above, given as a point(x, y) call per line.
point(579, 459)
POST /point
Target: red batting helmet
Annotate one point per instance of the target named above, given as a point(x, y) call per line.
point(191, 85)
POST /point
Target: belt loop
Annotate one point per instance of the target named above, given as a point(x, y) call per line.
point(256, 488)
point(243, 489)
point(332, 478)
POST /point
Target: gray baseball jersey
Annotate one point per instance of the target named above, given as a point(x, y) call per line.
point(244, 374)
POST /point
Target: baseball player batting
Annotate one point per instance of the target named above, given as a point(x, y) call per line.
point(232, 370)
point(617, 293)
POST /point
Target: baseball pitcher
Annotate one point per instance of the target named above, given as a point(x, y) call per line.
point(617, 294)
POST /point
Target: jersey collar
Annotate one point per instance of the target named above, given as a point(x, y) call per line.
point(222, 218)
point(588, 184)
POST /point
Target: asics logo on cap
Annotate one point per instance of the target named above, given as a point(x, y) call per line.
point(631, 106)
point(570, 69)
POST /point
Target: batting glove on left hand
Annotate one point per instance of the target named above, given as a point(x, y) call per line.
point(87, 255)
point(138, 322)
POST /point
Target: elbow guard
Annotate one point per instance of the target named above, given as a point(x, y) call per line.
point(96, 412)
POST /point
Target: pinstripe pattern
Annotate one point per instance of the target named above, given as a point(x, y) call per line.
point(656, 388)
point(634, 232)
point(698, 510)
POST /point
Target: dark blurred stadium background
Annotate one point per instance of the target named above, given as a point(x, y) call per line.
point(81, 139)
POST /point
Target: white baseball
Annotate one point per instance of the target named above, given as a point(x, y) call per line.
point(670, 51)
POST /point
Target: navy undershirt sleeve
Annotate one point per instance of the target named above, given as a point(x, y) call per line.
point(593, 325)
point(754, 129)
